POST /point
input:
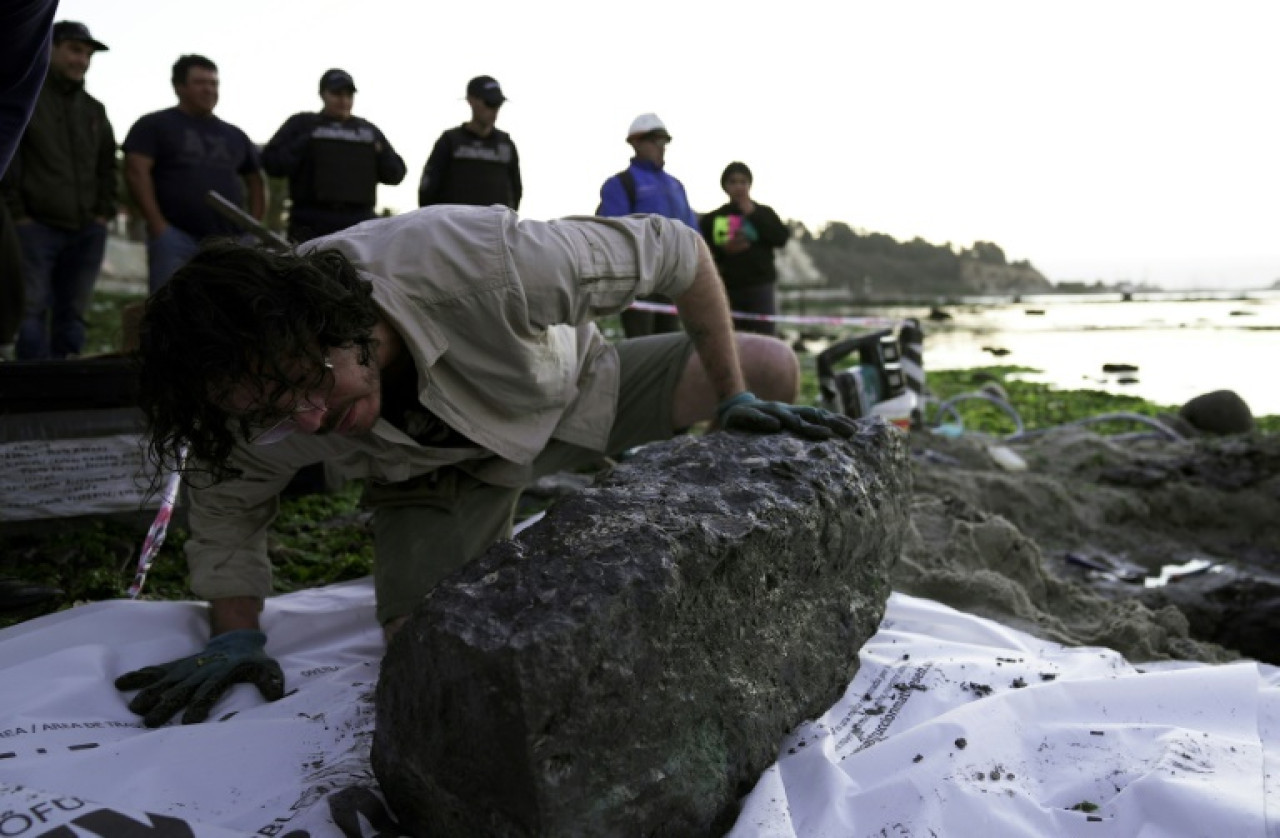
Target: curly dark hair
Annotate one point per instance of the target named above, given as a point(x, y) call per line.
point(241, 317)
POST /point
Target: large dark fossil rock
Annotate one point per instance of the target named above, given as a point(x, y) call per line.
point(629, 665)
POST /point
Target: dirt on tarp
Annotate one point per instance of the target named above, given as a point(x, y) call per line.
point(1155, 548)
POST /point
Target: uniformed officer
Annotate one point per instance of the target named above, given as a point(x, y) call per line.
point(334, 161)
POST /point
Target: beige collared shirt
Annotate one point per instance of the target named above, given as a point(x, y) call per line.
point(497, 313)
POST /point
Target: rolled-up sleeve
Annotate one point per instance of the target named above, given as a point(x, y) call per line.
point(574, 270)
point(227, 551)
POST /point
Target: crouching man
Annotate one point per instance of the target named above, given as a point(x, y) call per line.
point(446, 356)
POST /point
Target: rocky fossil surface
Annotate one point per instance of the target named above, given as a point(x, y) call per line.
point(629, 664)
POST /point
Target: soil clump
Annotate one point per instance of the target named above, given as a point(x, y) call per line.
point(1155, 548)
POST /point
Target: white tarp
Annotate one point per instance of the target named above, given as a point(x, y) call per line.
point(954, 726)
point(958, 726)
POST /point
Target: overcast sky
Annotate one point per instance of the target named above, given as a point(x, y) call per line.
point(1116, 139)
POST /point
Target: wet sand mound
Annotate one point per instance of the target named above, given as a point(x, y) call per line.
point(1007, 544)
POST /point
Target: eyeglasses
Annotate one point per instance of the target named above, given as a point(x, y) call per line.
point(266, 434)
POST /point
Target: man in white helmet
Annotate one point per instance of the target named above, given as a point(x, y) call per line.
point(645, 186)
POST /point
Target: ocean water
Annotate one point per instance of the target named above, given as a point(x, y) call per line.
point(1183, 344)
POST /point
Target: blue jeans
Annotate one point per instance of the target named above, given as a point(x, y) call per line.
point(60, 267)
point(166, 253)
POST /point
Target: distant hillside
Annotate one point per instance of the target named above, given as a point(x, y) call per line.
point(876, 266)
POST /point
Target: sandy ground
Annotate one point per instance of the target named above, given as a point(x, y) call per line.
point(995, 542)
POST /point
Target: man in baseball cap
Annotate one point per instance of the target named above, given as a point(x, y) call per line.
point(72, 30)
point(487, 90)
point(336, 81)
point(474, 163)
point(334, 161)
point(645, 186)
point(61, 192)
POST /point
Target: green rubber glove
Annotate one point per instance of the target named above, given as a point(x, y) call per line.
point(745, 412)
point(198, 681)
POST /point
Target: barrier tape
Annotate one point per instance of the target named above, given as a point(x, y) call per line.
point(796, 319)
point(155, 535)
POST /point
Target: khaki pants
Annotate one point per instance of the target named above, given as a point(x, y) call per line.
point(428, 527)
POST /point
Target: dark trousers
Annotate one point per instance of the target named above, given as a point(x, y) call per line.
point(754, 299)
point(60, 267)
point(639, 324)
point(166, 253)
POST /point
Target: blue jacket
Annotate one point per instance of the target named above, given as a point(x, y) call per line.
point(656, 192)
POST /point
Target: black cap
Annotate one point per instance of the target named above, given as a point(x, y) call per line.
point(71, 30)
point(336, 79)
point(487, 90)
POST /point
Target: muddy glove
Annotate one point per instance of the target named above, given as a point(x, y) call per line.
point(745, 412)
point(198, 681)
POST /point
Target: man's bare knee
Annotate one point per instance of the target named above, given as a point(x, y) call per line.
point(770, 367)
point(768, 364)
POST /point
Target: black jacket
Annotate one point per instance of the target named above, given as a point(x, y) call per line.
point(334, 168)
point(465, 168)
point(64, 173)
point(753, 266)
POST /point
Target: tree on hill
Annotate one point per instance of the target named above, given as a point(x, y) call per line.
point(876, 265)
point(799, 232)
point(988, 252)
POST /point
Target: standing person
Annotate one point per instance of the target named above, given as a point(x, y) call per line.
point(474, 163)
point(743, 236)
point(334, 161)
point(61, 193)
point(449, 356)
point(645, 186)
point(174, 157)
point(26, 39)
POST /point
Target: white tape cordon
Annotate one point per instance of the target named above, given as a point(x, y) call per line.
point(795, 319)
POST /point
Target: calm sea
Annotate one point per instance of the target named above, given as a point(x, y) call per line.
point(1182, 343)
